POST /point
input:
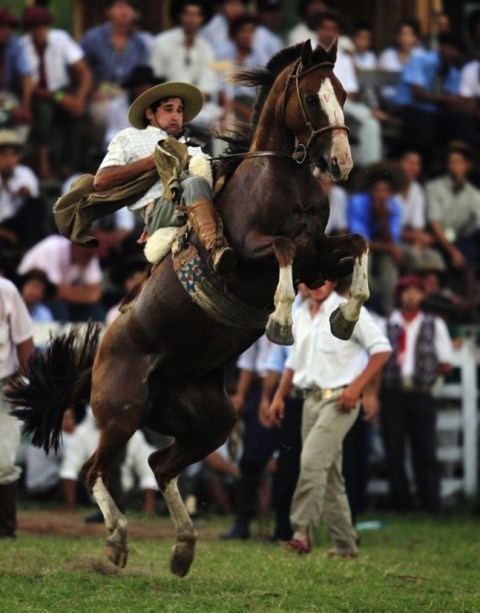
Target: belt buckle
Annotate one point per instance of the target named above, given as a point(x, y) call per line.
point(327, 393)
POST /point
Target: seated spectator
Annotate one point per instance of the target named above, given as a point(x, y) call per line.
point(23, 214)
point(35, 289)
point(216, 31)
point(112, 50)
point(337, 197)
point(62, 86)
point(363, 56)
point(394, 59)
point(267, 41)
point(470, 75)
point(432, 110)
point(133, 466)
point(16, 83)
point(454, 215)
point(76, 274)
point(239, 53)
point(127, 275)
point(42, 470)
point(308, 11)
point(377, 215)
point(369, 147)
point(416, 240)
point(183, 54)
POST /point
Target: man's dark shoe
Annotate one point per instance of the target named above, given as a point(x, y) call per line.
point(236, 533)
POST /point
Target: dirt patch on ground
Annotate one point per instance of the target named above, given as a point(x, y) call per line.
point(73, 524)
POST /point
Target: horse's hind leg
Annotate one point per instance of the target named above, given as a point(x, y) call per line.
point(95, 474)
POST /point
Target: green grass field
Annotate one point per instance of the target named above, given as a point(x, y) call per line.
point(414, 564)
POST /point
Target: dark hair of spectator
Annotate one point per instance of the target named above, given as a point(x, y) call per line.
point(409, 23)
point(452, 40)
point(328, 16)
point(303, 5)
point(240, 21)
point(178, 6)
point(464, 149)
point(360, 26)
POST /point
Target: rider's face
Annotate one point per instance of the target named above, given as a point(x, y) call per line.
point(168, 116)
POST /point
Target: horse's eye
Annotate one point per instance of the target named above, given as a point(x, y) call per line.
point(312, 100)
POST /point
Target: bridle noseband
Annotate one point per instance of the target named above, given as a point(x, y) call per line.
point(300, 151)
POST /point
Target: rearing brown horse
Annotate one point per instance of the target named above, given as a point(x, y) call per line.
point(160, 364)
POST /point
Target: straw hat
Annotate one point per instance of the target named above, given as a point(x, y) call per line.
point(9, 138)
point(191, 96)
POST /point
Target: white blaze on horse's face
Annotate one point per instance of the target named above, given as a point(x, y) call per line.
point(339, 157)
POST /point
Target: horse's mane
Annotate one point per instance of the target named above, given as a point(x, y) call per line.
point(240, 135)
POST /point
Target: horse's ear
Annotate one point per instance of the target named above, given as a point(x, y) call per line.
point(306, 54)
point(332, 52)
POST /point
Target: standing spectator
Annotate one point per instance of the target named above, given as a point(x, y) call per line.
point(377, 215)
point(259, 442)
point(216, 31)
point(369, 148)
point(23, 214)
point(182, 54)
point(62, 85)
point(422, 351)
point(16, 83)
point(333, 375)
point(16, 347)
point(76, 274)
point(470, 75)
point(112, 50)
point(267, 42)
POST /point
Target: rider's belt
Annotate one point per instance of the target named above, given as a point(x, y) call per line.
point(408, 384)
point(322, 393)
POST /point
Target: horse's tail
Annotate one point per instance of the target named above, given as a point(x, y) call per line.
point(55, 379)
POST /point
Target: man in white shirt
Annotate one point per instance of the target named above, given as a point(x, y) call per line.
point(62, 85)
point(182, 54)
point(159, 114)
point(23, 213)
point(16, 347)
point(333, 374)
point(76, 274)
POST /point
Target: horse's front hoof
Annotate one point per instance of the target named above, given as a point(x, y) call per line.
point(341, 327)
point(182, 558)
point(117, 555)
point(281, 335)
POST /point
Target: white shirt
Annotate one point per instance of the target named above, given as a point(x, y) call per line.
point(61, 53)
point(131, 145)
point(265, 44)
point(414, 207)
point(83, 444)
point(319, 358)
point(337, 220)
point(53, 256)
point(470, 80)
point(365, 61)
point(216, 30)
point(443, 344)
point(171, 59)
point(255, 358)
point(15, 326)
point(345, 72)
point(10, 202)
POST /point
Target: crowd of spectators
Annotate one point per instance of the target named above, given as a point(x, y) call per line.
point(413, 110)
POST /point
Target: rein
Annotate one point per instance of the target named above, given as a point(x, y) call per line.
point(300, 151)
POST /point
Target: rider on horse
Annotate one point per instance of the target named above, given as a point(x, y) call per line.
point(158, 117)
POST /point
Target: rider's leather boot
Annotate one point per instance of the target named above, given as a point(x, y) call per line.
point(201, 214)
point(8, 510)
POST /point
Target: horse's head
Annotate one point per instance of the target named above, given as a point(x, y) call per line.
point(312, 109)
